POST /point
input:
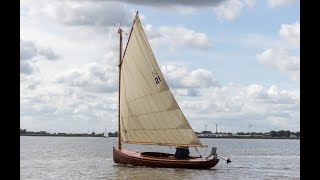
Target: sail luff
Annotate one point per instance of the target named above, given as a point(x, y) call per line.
point(150, 113)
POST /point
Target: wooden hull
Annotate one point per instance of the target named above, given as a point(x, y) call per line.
point(163, 160)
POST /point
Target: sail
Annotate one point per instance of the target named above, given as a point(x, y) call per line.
point(105, 134)
point(149, 114)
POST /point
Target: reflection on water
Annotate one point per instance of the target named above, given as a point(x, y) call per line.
point(91, 158)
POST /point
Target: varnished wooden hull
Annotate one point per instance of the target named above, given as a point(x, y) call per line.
point(164, 160)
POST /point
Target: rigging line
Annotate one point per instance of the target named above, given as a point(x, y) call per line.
point(123, 31)
point(198, 151)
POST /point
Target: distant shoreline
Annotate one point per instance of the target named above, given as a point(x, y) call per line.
point(65, 135)
point(239, 137)
point(90, 135)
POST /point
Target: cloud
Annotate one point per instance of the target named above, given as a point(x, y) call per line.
point(280, 60)
point(182, 37)
point(53, 105)
point(93, 77)
point(29, 53)
point(89, 13)
point(29, 82)
point(291, 33)
point(278, 3)
point(235, 105)
point(180, 77)
point(48, 53)
point(229, 10)
point(250, 3)
point(224, 9)
point(27, 50)
point(169, 3)
point(176, 37)
point(26, 67)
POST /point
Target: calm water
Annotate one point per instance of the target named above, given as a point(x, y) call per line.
point(91, 158)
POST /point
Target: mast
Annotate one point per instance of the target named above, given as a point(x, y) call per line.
point(120, 53)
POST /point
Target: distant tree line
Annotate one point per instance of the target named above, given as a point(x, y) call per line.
point(44, 133)
point(281, 133)
point(209, 132)
point(115, 134)
point(25, 132)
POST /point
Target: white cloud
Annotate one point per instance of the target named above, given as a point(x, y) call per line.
point(170, 3)
point(86, 13)
point(176, 37)
point(93, 77)
point(280, 60)
point(278, 3)
point(27, 50)
point(291, 33)
point(236, 105)
point(30, 53)
point(180, 77)
point(29, 82)
point(48, 53)
point(185, 9)
point(250, 3)
point(181, 36)
point(224, 9)
point(26, 67)
point(66, 109)
point(228, 10)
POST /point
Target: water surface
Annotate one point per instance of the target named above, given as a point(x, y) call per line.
point(91, 158)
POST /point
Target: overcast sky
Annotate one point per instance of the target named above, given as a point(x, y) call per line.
point(232, 62)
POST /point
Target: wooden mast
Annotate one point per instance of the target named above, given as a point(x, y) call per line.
point(120, 63)
point(120, 53)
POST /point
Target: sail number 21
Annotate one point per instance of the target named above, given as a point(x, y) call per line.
point(156, 76)
point(157, 79)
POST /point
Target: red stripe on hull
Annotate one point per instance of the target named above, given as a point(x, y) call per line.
point(136, 159)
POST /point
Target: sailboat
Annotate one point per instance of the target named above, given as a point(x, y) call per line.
point(105, 134)
point(148, 113)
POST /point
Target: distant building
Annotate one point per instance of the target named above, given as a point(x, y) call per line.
point(209, 135)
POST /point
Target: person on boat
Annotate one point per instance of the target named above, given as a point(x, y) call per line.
point(182, 152)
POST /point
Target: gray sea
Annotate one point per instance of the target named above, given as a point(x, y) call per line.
point(91, 158)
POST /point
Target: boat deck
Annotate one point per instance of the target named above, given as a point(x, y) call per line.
point(159, 156)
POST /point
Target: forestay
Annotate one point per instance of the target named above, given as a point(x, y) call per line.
point(149, 112)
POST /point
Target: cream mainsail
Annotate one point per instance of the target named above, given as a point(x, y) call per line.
point(149, 114)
